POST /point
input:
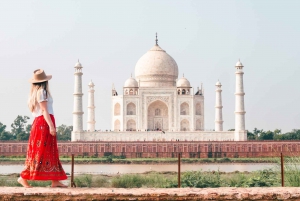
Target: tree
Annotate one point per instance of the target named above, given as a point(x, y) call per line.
point(268, 135)
point(20, 129)
point(251, 136)
point(64, 132)
point(4, 135)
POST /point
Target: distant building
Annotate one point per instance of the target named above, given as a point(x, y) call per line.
point(157, 106)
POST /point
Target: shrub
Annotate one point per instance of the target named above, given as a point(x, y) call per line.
point(199, 179)
point(83, 181)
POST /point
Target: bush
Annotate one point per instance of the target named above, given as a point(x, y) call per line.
point(224, 160)
point(137, 180)
point(199, 179)
point(83, 181)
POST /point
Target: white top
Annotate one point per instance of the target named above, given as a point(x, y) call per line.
point(40, 98)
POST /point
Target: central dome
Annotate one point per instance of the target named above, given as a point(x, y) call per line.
point(156, 68)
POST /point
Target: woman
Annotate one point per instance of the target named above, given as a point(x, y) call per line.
point(42, 160)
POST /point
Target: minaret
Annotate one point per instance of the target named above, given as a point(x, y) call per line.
point(113, 91)
point(91, 108)
point(218, 117)
point(240, 133)
point(77, 109)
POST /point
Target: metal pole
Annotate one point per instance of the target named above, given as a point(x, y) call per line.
point(178, 170)
point(282, 170)
point(72, 173)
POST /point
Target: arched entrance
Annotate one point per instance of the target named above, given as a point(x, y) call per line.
point(158, 118)
point(184, 125)
point(131, 125)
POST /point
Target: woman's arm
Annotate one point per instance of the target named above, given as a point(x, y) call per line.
point(43, 106)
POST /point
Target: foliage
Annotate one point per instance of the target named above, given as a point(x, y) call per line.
point(64, 132)
point(4, 135)
point(291, 170)
point(83, 180)
point(199, 179)
point(264, 178)
point(293, 135)
point(152, 180)
point(20, 130)
point(265, 135)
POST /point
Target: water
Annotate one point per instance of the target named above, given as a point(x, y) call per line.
point(140, 168)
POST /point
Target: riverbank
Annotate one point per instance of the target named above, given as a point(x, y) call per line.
point(110, 160)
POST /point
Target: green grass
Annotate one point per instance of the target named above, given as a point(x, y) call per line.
point(196, 179)
point(112, 159)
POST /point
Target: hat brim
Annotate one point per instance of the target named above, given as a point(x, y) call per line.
point(32, 80)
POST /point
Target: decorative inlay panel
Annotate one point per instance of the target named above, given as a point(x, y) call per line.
point(150, 99)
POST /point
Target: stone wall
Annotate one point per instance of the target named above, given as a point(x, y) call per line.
point(225, 193)
point(159, 149)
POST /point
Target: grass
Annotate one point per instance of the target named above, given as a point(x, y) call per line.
point(291, 170)
point(197, 179)
point(108, 160)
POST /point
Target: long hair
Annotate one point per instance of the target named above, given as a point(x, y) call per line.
point(35, 93)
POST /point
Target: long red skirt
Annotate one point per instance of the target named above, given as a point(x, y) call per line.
point(42, 160)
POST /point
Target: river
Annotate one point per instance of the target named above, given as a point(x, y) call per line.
point(140, 168)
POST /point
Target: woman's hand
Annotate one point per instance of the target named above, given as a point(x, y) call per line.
point(52, 131)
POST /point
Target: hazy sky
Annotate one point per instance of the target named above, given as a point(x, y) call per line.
point(206, 38)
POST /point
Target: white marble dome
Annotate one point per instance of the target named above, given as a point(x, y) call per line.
point(218, 83)
point(78, 64)
point(239, 63)
point(156, 68)
point(91, 83)
point(131, 83)
point(183, 82)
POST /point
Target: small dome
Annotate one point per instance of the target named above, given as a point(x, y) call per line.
point(218, 83)
point(130, 83)
point(91, 83)
point(78, 64)
point(239, 63)
point(183, 82)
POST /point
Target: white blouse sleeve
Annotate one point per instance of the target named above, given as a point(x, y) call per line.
point(42, 96)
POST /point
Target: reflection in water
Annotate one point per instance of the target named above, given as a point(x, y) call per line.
point(122, 169)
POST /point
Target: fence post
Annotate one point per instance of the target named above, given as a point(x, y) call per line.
point(282, 170)
point(72, 173)
point(179, 170)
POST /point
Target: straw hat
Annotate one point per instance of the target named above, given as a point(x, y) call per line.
point(39, 75)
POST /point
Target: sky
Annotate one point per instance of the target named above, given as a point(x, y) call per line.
point(206, 39)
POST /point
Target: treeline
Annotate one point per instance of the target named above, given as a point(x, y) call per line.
point(273, 135)
point(20, 130)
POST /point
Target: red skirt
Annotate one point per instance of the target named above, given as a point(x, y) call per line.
point(42, 160)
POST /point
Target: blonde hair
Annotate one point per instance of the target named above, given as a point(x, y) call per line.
point(35, 93)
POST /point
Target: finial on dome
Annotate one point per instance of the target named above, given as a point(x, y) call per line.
point(183, 75)
point(156, 40)
point(131, 75)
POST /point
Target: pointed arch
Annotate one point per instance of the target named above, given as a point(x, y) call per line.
point(184, 109)
point(117, 125)
point(117, 109)
point(158, 118)
point(184, 125)
point(131, 125)
point(131, 109)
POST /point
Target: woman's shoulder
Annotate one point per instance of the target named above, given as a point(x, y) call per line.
point(43, 95)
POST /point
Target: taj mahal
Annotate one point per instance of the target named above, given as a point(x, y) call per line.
point(156, 105)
